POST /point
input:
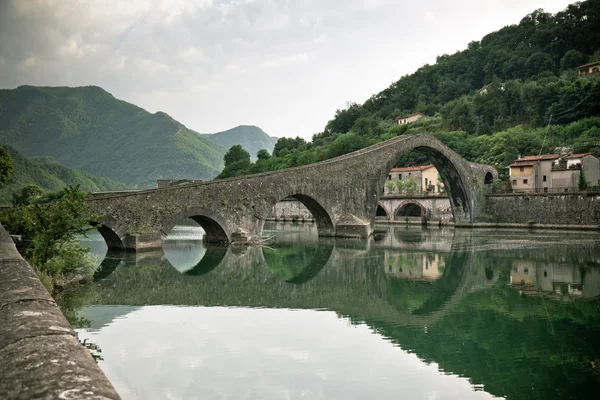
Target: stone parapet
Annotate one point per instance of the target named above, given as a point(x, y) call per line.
point(41, 356)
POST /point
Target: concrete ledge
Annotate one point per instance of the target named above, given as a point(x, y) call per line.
point(41, 356)
point(532, 226)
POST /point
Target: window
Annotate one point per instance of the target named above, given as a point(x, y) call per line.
point(399, 177)
point(515, 269)
point(544, 178)
point(525, 181)
point(425, 181)
point(389, 177)
point(521, 169)
point(526, 271)
point(514, 182)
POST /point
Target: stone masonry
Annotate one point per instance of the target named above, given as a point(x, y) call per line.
point(341, 193)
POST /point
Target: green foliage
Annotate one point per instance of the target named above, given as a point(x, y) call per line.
point(390, 186)
point(29, 194)
point(86, 128)
point(263, 154)
point(288, 144)
point(583, 184)
point(411, 186)
point(48, 232)
point(49, 175)
point(236, 154)
point(6, 166)
point(572, 59)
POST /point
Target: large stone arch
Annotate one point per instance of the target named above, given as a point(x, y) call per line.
point(321, 216)
point(454, 171)
point(215, 226)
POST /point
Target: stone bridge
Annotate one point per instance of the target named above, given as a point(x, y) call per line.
point(341, 193)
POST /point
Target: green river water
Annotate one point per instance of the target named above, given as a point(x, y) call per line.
point(411, 313)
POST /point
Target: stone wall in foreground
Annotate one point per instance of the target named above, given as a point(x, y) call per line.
point(552, 209)
point(40, 355)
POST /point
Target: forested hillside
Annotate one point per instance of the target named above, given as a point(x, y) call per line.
point(50, 175)
point(251, 138)
point(514, 92)
point(86, 128)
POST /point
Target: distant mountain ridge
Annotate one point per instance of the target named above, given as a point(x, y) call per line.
point(86, 128)
point(50, 175)
point(250, 137)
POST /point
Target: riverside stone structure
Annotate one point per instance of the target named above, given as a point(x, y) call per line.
point(341, 193)
point(39, 352)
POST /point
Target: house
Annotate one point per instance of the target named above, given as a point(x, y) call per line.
point(553, 172)
point(407, 119)
point(426, 177)
point(589, 69)
point(532, 173)
point(425, 267)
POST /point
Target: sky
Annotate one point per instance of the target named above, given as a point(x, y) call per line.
point(283, 65)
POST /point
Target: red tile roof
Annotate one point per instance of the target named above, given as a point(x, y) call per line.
point(519, 163)
point(417, 168)
point(578, 155)
point(540, 157)
point(588, 65)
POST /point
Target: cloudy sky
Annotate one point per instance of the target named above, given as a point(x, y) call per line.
point(284, 65)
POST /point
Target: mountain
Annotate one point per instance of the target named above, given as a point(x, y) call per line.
point(515, 91)
point(86, 128)
point(251, 138)
point(49, 174)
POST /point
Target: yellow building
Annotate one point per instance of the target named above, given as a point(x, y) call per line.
point(426, 177)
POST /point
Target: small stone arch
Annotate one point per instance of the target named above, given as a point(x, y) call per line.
point(215, 227)
point(410, 209)
point(382, 211)
point(488, 179)
point(321, 216)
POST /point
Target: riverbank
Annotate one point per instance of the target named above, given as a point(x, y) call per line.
point(41, 356)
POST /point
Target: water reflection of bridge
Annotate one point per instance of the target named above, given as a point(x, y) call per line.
point(478, 333)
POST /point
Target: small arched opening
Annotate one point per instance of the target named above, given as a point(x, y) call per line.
point(381, 212)
point(410, 210)
point(489, 178)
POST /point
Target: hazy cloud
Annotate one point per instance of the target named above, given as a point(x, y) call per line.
point(213, 64)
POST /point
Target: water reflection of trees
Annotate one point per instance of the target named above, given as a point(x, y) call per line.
point(467, 317)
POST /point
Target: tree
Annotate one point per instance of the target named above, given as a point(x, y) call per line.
point(28, 195)
point(236, 154)
point(6, 166)
point(390, 185)
point(263, 154)
point(287, 144)
point(572, 59)
point(582, 181)
point(48, 235)
point(411, 186)
point(538, 62)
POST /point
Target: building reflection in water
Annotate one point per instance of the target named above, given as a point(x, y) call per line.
point(560, 280)
point(416, 266)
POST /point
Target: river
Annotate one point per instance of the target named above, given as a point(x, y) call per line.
point(412, 313)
